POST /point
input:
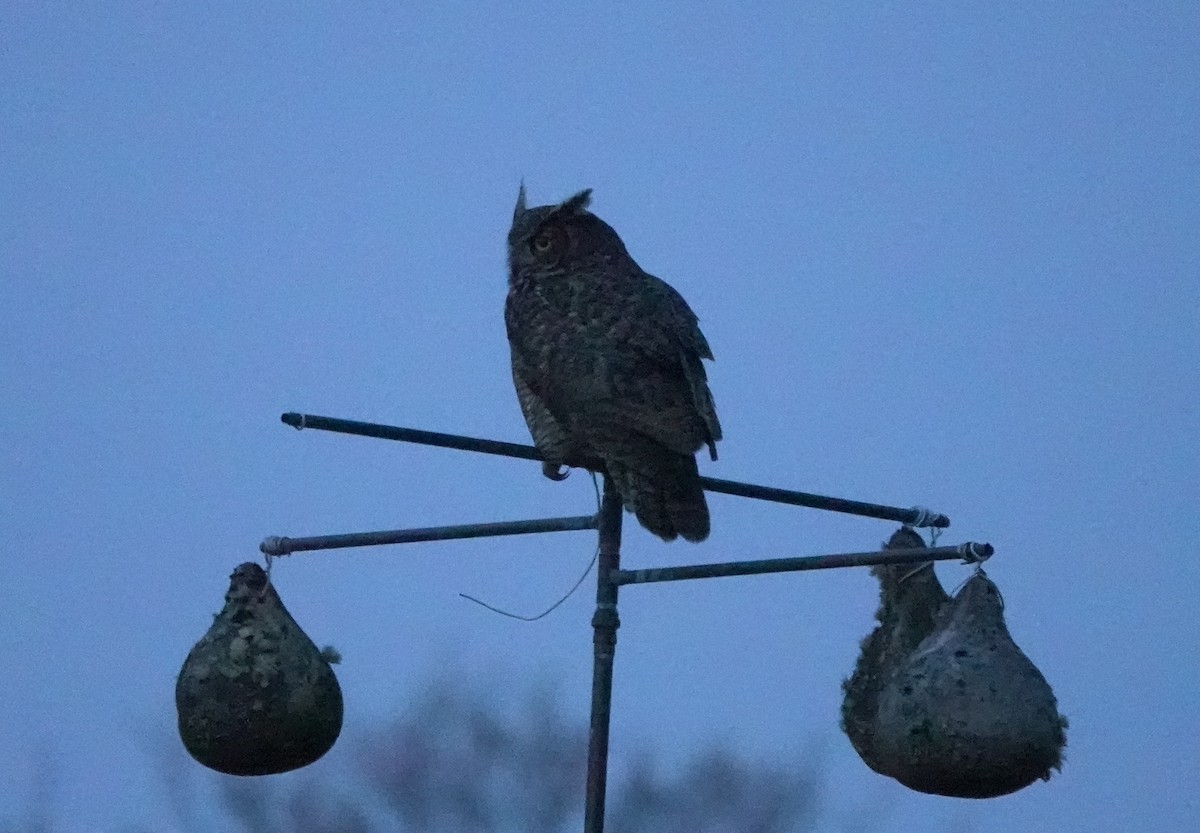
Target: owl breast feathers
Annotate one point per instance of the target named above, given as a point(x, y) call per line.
point(606, 360)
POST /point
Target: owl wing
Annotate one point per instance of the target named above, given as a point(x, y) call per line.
point(548, 434)
point(547, 430)
point(666, 336)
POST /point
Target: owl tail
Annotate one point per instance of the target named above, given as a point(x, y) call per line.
point(662, 488)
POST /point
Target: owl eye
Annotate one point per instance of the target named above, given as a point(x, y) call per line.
point(543, 243)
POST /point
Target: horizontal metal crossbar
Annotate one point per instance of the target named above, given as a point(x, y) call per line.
point(913, 517)
point(278, 545)
point(969, 552)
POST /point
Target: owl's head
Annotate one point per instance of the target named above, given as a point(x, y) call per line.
point(550, 239)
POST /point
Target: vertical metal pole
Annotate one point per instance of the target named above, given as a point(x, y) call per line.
point(604, 641)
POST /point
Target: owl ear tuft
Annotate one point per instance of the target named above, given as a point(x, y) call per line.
point(520, 207)
point(577, 203)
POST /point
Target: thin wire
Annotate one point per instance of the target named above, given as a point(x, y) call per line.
point(999, 595)
point(914, 571)
point(270, 559)
point(566, 596)
point(919, 567)
point(978, 571)
point(548, 610)
point(968, 552)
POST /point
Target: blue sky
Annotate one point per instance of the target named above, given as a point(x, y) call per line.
point(944, 255)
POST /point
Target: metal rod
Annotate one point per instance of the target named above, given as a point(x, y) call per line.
point(278, 545)
point(969, 552)
point(410, 435)
point(913, 516)
point(604, 644)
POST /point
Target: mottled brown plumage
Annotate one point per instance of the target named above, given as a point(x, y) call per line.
point(606, 360)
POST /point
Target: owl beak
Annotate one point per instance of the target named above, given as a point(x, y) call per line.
point(520, 208)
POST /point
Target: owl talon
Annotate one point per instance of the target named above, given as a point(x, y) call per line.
point(555, 472)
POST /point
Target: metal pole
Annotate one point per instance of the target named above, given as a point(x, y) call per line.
point(604, 644)
point(281, 545)
point(610, 576)
point(913, 517)
point(969, 552)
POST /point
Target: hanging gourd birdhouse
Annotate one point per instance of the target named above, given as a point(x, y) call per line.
point(255, 695)
point(943, 700)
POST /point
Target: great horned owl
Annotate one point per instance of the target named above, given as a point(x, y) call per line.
point(606, 359)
